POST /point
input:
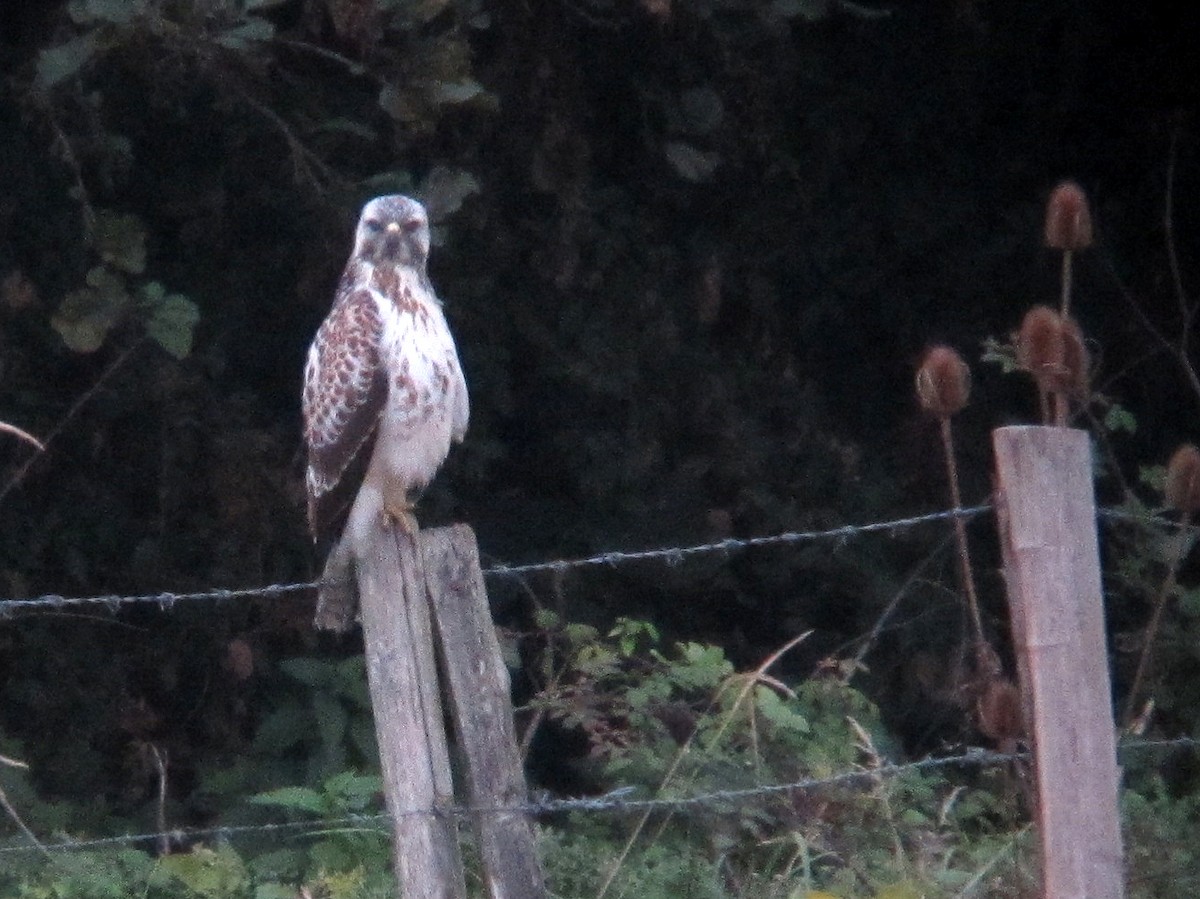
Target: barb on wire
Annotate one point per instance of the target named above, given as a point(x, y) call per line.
point(617, 801)
point(672, 555)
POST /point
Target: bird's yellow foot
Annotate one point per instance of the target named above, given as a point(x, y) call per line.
point(402, 517)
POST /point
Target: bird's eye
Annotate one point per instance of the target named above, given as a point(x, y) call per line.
point(374, 225)
point(411, 225)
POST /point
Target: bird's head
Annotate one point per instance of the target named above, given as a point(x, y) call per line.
point(393, 230)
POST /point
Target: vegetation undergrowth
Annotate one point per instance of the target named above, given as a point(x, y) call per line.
point(663, 722)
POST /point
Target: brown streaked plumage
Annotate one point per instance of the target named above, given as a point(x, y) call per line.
point(384, 396)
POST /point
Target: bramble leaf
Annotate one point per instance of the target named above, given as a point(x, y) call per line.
point(121, 241)
point(85, 316)
point(304, 799)
point(690, 163)
point(172, 321)
point(59, 63)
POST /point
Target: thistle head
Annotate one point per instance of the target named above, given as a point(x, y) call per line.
point(1068, 219)
point(943, 382)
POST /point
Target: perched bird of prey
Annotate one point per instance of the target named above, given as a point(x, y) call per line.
point(384, 397)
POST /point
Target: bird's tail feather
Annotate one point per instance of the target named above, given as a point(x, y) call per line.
point(337, 597)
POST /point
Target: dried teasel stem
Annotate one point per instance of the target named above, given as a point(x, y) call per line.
point(1074, 382)
point(1064, 302)
point(1068, 227)
point(960, 532)
point(1181, 492)
point(943, 385)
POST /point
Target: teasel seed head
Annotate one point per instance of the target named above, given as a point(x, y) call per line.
point(1182, 489)
point(1040, 342)
point(1052, 349)
point(943, 382)
point(1068, 219)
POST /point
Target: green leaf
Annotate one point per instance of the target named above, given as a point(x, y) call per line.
point(241, 36)
point(278, 864)
point(363, 738)
point(304, 799)
point(1118, 418)
point(121, 241)
point(287, 726)
point(453, 92)
point(350, 681)
point(1189, 602)
point(59, 63)
point(445, 189)
point(112, 12)
point(772, 707)
point(274, 891)
point(85, 316)
point(343, 125)
point(398, 104)
point(580, 634)
point(313, 672)
point(630, 632)
point(331, 720)
point(1002, 354)
point(701, 666)
point(690, 163)
point(172, 322)
point(352, 792)
point(208, 873)
point(1153, 476)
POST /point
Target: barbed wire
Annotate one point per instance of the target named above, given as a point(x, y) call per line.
point(617, 801)
point(671, 555)
point(165, 600)
point(676, 555)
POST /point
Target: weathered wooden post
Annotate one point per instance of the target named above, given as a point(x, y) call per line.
point(403, 678)
point(417, 594)
point(1047, 514)
point(478, 689)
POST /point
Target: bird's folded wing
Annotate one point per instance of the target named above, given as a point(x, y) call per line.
point(345, 389)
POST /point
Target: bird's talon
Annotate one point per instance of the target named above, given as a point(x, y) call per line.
point(402, 518)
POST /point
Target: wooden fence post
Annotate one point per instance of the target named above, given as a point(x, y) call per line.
point(417, 595)
point(478, 690)
point(1047, 514)
point(403, 677)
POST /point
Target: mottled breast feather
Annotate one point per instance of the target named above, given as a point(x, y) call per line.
point(345, 388)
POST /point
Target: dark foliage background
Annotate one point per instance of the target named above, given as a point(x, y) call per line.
point(691, 252)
